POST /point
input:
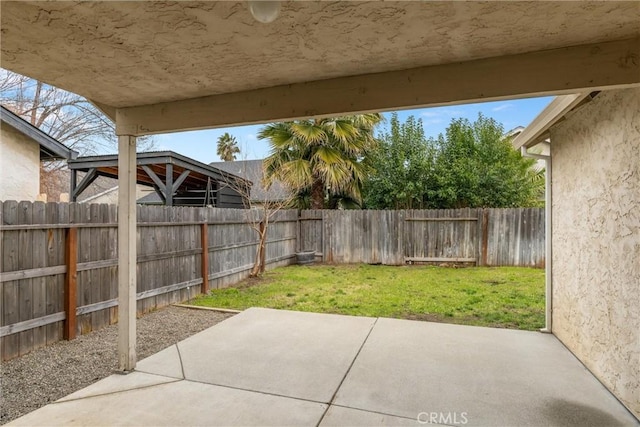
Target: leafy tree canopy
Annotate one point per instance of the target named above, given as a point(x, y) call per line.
point(471, 165)
point(401, 166)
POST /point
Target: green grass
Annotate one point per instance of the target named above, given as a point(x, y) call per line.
point(505, 297)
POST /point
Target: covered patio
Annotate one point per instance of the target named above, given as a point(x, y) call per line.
point(157, 67)
point(273, 367)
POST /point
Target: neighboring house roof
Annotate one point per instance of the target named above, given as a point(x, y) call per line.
point(253, 171)
point(50, 148)
point(150, 199)
point(514, 132)
point(100, 194)
point(538, 129)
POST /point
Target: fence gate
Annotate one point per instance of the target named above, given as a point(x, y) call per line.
point(442, 236)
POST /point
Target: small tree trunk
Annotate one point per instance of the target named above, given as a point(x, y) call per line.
point(263, 245)
point(258, 265)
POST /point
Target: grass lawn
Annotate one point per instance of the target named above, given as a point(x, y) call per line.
point(505, 297)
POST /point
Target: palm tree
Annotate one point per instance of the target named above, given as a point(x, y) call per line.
point(320, 159)
point(227, 147)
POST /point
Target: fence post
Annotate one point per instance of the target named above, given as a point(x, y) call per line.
point(70, 282)
point(485, 236)
point(401, 241)
point(299, 231)
point(204, 239)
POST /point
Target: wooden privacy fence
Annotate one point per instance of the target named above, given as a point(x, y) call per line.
point(59, 263)
point(486, 237)
point(58, 269)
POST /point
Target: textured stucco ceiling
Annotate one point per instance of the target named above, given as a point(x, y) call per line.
point(136, 53)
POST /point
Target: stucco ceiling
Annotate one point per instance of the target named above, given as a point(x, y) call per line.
point(126, 54)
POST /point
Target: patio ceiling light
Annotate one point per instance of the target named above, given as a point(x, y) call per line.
point(264, 11)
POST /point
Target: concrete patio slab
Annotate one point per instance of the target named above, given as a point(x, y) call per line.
point(287, 353)
point(488, 376)
point(180, 403)
point(339, 416)
point(270, 367)
point(167, 362)
point(116, 383)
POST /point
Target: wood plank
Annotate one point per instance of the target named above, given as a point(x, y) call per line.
point(453, 219)
point(10, 290)
point(98, 306)
point(71, 283)
point(32, 273)
point(64, 217)
point(55, 257)
point(39, 254)
point(78, 225)
point(204, 263)
point(25, 242)
point(440, 259)
point(113, 271)
point(162, 246)
point(103, 253)
point(147, 245)
point(159, 256)
point(81, 213)
point(32, 324)
point(170, 288)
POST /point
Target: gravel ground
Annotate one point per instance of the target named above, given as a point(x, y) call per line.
point(48, 374)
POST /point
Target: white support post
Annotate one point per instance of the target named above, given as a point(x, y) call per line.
point(127, 252)
point(548, 262)
point(548, 212)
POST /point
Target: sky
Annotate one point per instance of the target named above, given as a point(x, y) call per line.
point(201, 145)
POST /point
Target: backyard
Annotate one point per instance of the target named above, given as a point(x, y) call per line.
point(504, 297)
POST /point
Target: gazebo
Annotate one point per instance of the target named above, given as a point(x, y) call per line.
point(177, 180)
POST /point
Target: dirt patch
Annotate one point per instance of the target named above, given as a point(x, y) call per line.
point(253, 281)
point(428, 317)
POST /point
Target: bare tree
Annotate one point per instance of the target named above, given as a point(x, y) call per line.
point(66, 117)
point(258, 213)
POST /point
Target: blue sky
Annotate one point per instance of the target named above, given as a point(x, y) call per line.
point(201, 145)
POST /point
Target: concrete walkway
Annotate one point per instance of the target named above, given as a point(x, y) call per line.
point(270, 367)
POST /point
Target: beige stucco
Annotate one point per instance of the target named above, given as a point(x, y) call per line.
point(137, 53)
point(19, 166)
point(596, 239)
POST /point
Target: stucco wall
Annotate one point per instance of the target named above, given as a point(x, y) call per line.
point(596, 239)
point(19, 166)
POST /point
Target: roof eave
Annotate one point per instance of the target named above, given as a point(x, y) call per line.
point(538, 129)
point(50, 148)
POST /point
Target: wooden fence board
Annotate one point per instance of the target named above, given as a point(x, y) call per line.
point(25, 289)
point(39, 245)
point(10, 297)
